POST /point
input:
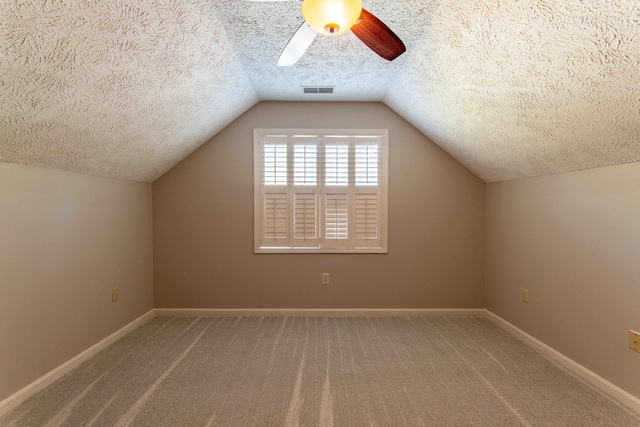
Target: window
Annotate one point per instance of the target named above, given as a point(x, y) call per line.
point(320, 191)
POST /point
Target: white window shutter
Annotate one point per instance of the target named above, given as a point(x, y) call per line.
point(367, 220)
point(320, 191)
point(305, 164)
point(336, 162)
point(367, 206)
point(305, 190)
point(305, 220)
point(367, 159)
point(275, 161)
point(275, 220)
point(336, 220)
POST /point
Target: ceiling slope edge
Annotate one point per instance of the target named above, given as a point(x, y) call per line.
point(405, 112)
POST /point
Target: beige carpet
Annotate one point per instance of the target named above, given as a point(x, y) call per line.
point(315, 371)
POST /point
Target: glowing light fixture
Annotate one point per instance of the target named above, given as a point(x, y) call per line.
point(331, 17)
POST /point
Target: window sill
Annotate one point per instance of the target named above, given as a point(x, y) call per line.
point(319, 251)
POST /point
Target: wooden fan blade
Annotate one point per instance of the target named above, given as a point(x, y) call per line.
point(380, 39)
point(297, 45)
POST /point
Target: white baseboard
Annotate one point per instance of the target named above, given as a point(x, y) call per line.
point(327, 312)
point(600, 383)
point(62, 370)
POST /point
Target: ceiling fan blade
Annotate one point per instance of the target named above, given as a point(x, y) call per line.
point(380, 39)
point(297, 45)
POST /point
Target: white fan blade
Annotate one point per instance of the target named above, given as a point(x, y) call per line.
point(297, 45)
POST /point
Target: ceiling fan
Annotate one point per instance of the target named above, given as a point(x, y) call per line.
point(335, 17)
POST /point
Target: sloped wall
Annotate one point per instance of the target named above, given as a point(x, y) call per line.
point(574, 241)
point(66, 240)
point(203, 225)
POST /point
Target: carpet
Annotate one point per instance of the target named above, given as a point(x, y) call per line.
point(320, 371)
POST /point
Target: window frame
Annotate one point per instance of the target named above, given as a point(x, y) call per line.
point(383, 186)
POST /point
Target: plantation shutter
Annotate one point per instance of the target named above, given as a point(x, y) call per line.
point(274, 191)
point(275, 216)
point(320, 192)
point(367, 218)
point(305, 190)
point(305, 216)
point(275, 161)
point(367, 212)
point(336, 229)
point(336, 161)
point(336, 192)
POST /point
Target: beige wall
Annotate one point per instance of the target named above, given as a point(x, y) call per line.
point(66, 239)
point(574, 241)
point(203, 225)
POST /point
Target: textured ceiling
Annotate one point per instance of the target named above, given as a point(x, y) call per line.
point(260, 30)
point(510, 88)
point(113, 87)
point(525, 88)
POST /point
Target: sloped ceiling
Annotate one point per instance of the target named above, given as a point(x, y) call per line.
point(114, 87)
point(509, 88)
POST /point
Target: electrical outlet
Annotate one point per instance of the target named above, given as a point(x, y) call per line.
point(114, 295)
point(634, 341)
point(325, 278)
point(525, 295)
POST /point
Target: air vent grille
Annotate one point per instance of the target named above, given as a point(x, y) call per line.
point(317, 89)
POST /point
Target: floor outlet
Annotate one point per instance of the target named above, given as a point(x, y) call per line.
point(634, 341)
point(325, 278)
point(525, 295)
point(114, 294)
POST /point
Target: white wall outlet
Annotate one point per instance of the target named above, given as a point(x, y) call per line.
point(525, 295)
point(114, 295)
point(325, 278)
point(634, 341)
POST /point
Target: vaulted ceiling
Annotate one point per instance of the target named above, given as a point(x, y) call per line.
point(511, 89)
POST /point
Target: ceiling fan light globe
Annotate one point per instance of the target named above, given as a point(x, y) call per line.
point(331, 17)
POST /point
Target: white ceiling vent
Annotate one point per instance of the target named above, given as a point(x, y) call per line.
point(317, 89)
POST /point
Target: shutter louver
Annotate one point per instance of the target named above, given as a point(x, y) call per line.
point(275, 164)
point(336, 164)
point(367, 164)
point(336, 217)
point(275, 221)
point(305, 164)
point(305, 216)
point(367, 217)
